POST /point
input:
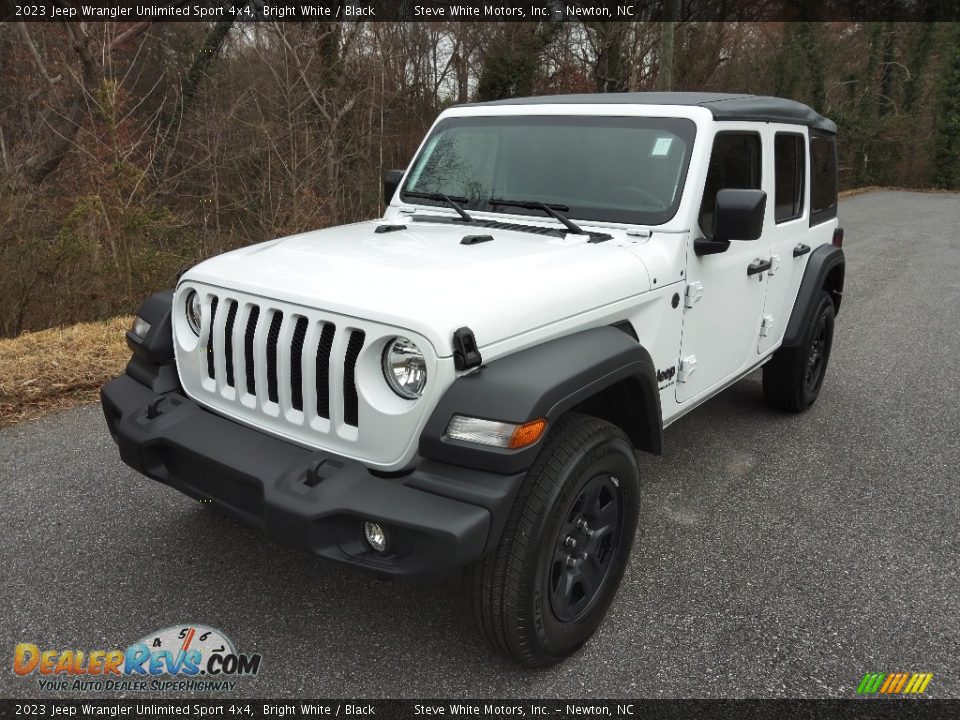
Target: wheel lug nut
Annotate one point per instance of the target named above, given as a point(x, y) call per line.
point(569, 542)
point(582, 524)
point(571, 561)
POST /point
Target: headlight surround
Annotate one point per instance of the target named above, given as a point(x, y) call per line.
point(404, 368)
point(194, 312)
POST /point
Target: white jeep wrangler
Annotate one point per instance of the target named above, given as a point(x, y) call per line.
point(464, 381)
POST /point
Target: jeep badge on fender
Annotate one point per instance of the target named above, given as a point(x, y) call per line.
point(464, 381)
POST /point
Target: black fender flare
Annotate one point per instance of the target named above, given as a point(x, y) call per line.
point(152, 363)
point(825, 271)
point(545, 381)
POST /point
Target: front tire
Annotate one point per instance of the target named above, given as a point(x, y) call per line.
point(545, 590)
point(793, 378)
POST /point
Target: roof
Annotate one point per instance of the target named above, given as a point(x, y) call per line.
point(724, 106)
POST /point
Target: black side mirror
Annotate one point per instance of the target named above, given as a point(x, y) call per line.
point(391, 180)
point(739, 214)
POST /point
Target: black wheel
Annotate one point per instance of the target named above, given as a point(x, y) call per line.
point(792, 379)
point(547, 587)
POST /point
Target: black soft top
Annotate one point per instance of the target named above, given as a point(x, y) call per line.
point(724, 106)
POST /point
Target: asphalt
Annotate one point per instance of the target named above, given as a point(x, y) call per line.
point(777, 556)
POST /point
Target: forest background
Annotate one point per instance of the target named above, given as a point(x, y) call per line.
point(131, 150)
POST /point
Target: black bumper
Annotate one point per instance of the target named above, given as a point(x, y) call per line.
point(437, 518)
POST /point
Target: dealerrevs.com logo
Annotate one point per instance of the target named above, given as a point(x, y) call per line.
point(178, 658)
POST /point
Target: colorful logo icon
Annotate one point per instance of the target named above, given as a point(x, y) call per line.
point(894, 683)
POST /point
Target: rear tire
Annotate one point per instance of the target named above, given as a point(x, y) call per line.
point(546, 588)
point(793, 378)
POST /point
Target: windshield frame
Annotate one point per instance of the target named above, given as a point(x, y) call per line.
point(683, 127)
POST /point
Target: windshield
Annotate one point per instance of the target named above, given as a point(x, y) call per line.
point(615, 169)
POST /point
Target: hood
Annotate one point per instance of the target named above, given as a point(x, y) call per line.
point(422, 279)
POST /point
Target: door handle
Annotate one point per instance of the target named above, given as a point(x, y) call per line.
point(759, 266)
point(801, 249)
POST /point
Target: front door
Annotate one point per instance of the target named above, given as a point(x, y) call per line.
point(723, 304)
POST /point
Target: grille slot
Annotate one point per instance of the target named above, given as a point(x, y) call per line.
point(248, 349)
point(323, 370)
point(210, 348)
point(350, 399)
point(296, 364)
point(272, 337)
point(228, 340)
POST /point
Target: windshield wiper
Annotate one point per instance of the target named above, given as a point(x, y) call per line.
point(551, 210)
point(452, 201)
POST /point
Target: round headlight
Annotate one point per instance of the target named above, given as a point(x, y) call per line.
point(194, 312)
point(404, 368)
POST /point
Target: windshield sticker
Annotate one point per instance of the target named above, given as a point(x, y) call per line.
point(661, 147)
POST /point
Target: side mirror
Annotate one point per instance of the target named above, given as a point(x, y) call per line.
point(739, 215)
point(391, 180)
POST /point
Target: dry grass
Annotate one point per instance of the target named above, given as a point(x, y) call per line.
point(55, 369)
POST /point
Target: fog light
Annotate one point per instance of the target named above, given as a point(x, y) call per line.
point(140, 327)
point(376, 537)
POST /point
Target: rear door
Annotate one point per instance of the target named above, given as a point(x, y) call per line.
point(787, 171)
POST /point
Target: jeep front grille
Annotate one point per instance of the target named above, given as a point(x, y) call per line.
point(312, 377)
point(279, 361)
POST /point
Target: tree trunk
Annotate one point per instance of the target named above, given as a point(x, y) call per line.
point(667, 32)
point(946, 147)
point(64, 126)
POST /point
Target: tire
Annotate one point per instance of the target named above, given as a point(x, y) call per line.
point(793, 378)
point(524, 598)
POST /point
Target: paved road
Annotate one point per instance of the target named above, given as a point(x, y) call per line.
point(778, 555)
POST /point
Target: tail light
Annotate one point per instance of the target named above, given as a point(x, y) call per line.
point(838, 237)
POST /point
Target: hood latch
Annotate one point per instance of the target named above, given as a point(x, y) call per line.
point(465, 352)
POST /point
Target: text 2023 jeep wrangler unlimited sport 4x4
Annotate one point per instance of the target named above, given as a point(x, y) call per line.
point(464, 381)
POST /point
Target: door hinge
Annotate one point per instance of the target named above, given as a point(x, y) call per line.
point(774, 265)
point(766, 326)
point(687, 367)
point(692, 294)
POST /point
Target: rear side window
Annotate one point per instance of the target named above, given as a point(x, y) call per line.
point(734, 163)
point(789, 159)
point(823, 178)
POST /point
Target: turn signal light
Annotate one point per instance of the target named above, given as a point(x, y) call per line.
point(495, 433)
point(528, 433)
point(838, 237)
point(140, 327)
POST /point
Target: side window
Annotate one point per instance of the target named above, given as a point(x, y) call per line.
point(789, 160)
point(823, 178)
point(734, 163)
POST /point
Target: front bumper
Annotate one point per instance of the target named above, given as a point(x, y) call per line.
point(437, 518)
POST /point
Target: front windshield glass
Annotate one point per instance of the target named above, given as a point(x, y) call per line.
point(615, 169)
